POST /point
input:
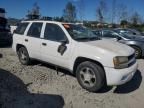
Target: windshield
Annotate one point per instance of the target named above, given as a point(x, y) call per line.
point(80, 33)
point(127, 36)
point(134, 32)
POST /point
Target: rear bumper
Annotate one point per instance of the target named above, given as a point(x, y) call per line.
point(120, 76)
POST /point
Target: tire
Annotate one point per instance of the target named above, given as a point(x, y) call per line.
point(23, 56)
point(138, 52)
point(90, 76)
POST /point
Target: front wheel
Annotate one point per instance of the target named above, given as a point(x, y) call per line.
point(90, 76)
point(23, 56)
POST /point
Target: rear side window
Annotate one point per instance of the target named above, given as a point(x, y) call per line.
point(21, 28)
point(35, 30)
point(54, 33)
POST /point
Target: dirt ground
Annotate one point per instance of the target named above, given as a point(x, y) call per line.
point(41, 86)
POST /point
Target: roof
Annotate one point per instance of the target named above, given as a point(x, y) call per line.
point(47, 21)
point(41, 21)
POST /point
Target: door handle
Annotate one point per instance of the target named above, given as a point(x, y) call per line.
point(44, 44)
point(26, 40)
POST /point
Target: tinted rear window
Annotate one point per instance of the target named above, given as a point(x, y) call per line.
point(21, 28)
point(35, 30)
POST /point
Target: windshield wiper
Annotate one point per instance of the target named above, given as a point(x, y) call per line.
point(88, 38)
point(94, 38)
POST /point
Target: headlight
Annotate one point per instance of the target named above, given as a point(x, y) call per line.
point(120, 62)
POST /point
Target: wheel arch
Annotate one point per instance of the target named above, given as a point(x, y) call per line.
point(19, 46)
point(83, 59)
point(138, 46)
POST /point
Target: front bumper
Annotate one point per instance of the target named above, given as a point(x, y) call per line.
point(120, 76)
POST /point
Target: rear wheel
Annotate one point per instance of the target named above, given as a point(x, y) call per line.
point(23, 56)
point(90, 76)
point(138, 51)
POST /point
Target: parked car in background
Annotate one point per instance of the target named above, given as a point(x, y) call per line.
point(135, 42)
point(12, 29)
point(129, 31)
point(5, 34)
point(94, 62)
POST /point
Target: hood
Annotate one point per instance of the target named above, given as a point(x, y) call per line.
point(115, 47)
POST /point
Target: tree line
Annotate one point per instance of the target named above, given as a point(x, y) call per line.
point(118, 13)
point(104, 12)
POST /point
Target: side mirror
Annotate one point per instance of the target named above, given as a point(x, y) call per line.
point(62, 48)
point(64, 42)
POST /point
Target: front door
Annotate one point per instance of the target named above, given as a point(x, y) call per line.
point(33, 41)
point(55, 47)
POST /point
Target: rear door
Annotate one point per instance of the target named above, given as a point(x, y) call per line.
point(32, 39)
point(19, 34)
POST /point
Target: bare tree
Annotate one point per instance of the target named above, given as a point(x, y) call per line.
point(70, 12)
point(122, 13)
point(81, 9)
point(101, 11)
point(34, 13)
point(100, 15)
point(36, 9)
point(136, 18)
point(113, 11)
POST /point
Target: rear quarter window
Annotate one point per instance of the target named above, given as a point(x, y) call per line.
point(21, 28)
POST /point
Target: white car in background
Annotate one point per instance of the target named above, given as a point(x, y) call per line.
point(13, 28)
point(70, 46)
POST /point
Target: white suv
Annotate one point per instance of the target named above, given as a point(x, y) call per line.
point(73, 47)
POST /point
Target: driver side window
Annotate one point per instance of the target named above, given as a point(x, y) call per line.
point(54, 33)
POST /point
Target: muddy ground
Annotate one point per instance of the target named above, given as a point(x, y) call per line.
point(41, 86)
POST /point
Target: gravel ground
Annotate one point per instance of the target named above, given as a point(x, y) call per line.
point(41, 86)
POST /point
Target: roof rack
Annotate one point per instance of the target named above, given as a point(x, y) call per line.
point(43, 18)
point(47, 18)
